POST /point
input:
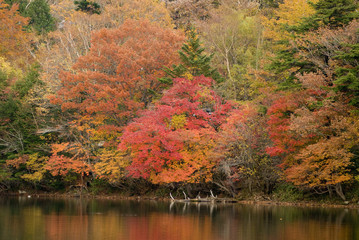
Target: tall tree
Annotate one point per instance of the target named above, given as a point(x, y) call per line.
point(121, 70)
point(193, 61)
point(324, 163)
point(40, 17)
point(327, 13)
point(284, 60)
point(235, 35)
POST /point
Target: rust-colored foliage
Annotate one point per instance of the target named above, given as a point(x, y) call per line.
point(322, 164)
point(67, 158)
point(327, 163)
point(173, 141)
point(120, 72)
point(13, 39)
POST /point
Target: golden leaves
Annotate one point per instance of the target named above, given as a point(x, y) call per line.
point(178, 121)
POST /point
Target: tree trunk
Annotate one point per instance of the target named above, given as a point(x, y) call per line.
point(339, 191)
point(330, 191)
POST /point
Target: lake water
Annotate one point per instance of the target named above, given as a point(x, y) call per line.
point(80, 219)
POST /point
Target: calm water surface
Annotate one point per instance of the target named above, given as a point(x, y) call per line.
point(80, 219)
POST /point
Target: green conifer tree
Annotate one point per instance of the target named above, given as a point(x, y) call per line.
point(89, 7)
point(39, 13)
point(348, 76)
point(193, 61)
point(40, 17)
point(330, 13)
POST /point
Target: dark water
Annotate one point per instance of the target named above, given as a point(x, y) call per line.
point(79, 219)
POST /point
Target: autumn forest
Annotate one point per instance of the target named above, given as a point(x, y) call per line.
point(245, 98)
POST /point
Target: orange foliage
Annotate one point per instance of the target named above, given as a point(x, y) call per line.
point(14, 41)
point(73, 36)
point(322, 164)
point(67, 158)
point(121, 70)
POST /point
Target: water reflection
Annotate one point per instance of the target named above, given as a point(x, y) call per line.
point(81, 219)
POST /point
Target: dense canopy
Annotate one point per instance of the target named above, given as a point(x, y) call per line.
point(241, 97)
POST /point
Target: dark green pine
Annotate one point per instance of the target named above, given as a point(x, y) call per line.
point(284, 60)
point(38, 11)
point(40, 16)
point(348, 76)
point(88, 7)
point(330, 13)
point(193, 61)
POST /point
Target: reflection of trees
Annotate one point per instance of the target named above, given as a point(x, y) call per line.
point(137, 220)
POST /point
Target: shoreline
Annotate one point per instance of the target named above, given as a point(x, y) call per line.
point(308, 204)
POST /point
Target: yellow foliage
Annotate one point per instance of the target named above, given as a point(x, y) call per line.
point(14, 41)
point(290, 12)
point(10, 71)
point(33, 177)
point(111, 165)
point(188, 75)
point(153, 10)
point(178, 121)
point(35, 165)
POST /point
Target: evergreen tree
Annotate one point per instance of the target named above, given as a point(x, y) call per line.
point(283, 61)
point(330, 13)
point(39, 13)
point(194, 61)
point(40, 18)
point(89, 7)
point(348, 76)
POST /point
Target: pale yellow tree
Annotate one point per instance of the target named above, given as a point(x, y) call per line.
point(152, 10)
point(235, 34)
point(290, 12)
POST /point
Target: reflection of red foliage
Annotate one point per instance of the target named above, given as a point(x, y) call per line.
point(59, 227)
point(169, 227)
